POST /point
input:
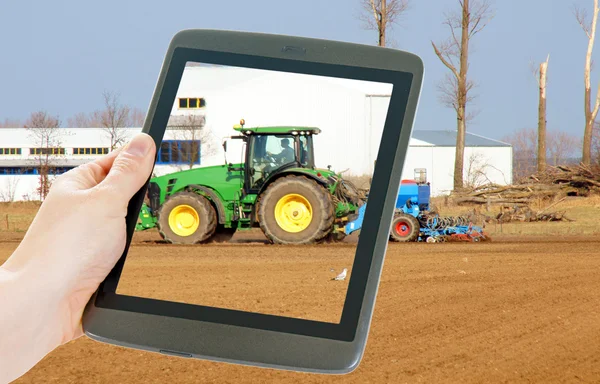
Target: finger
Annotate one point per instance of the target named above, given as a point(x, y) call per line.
point(131, 167)
point(87, 175)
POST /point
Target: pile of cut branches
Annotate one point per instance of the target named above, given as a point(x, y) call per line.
point(554, 183)
point(526, 214)
point(579, 180)
point(518, 213)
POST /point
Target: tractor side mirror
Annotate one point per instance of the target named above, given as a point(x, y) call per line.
point(225, 145)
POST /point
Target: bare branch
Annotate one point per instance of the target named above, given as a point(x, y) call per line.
point(581, 16)
point(481, 15)
point(380, 15)
point(444, 60)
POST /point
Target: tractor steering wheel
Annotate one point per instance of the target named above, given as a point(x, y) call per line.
point(270, 158)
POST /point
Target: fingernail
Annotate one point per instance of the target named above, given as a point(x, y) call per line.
point(139, 145)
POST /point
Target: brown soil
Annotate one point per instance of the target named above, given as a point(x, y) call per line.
point(511, 310)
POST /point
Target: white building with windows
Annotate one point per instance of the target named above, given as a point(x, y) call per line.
point(430, 155)
point(350, 114)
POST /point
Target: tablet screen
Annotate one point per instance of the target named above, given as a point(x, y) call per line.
point(258, 192)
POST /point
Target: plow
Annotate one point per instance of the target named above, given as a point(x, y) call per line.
point(415, 220)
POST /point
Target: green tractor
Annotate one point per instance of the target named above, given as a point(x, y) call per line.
point(277, 188)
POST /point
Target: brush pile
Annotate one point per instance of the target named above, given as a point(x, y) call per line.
point(518, 213)
point(554, 183)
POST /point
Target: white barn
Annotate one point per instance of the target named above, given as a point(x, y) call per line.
point(433, 153)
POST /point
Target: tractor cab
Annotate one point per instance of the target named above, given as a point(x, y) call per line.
point(271, 150)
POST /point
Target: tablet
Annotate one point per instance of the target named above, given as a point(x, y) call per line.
point(260, 237)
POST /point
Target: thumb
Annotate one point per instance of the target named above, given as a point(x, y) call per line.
point(131, 168)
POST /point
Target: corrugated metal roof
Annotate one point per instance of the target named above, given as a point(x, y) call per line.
point(448, 139)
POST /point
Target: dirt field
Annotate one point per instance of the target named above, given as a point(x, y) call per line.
point(520, 309)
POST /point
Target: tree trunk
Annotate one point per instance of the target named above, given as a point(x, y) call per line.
point(590, 111)
point(382, 23)
point(587, 142)
point(462, 98)
point(541, 155)
point(460, 150)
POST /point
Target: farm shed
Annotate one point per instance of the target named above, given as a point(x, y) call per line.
point(433, 152)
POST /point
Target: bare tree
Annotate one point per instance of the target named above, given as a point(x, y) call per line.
point(561, 146)
point(382, 14)
point(591, 110)
point(46, 135)
point(11, 123)
point(192, 130)
point(541, 77)
point(524, 144)
point(113, 119)
point(474, 15)
point(7, 194)
point(477, 168)
point(82, 120)
point(137, 117)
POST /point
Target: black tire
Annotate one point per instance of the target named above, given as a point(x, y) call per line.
point(206, 214)
point(405, 228)
point(222, 234)
point(319, 198)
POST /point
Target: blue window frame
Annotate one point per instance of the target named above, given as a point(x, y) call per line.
point(179, 152)
point(32, 170)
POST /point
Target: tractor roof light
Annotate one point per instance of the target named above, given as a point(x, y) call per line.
point(295, 133)
point(248, 132)
point(242, 122)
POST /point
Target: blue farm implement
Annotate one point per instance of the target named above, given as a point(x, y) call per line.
point(415, 220)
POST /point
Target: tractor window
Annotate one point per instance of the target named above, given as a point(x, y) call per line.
point(306, 159)
point(269, 153)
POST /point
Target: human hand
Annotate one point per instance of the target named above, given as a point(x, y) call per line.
point(74, 241)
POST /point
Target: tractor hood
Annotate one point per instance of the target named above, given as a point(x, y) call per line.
point(210, 170)
point(324, 175)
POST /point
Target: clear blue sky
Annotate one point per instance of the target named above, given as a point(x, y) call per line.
point(60, 55)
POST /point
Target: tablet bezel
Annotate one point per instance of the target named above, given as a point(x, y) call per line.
point(232, 335)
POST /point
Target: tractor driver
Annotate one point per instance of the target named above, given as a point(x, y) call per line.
point(286, 155)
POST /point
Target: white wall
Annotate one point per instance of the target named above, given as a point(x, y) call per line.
point(23, 187)
point(495, 162)
point(350, 130)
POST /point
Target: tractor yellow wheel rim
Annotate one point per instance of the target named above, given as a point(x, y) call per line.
point(293, 213)
point(184, 220)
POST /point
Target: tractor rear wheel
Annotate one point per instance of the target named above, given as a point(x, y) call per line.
point(295, 210)
point(186, 218)
point(405, 228)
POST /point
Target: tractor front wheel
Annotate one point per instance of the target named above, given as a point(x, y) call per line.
point(295, 210)
point(186, 218)
point(405, 228)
